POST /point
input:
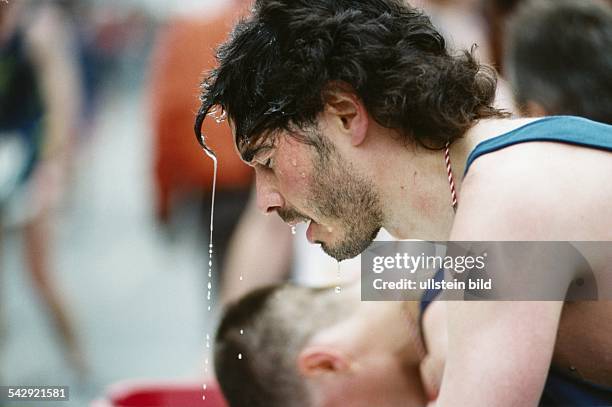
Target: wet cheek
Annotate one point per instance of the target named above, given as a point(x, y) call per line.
point(293, 166)
point(293, 179)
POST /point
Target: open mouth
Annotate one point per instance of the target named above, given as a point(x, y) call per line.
point(294, 218)
point(295, 222)
point(310, 224)
point(310, 231)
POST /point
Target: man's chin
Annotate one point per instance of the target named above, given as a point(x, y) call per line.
point(347, 249)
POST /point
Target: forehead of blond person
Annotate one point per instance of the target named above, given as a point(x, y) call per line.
point(370, 358)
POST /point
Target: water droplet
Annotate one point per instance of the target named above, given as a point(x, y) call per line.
point(293, 231)
point(204, 386)
point(338, 289)
point(218, 114)
point(213, 157)
point(242, 332)
point(241, 278)
point(221, 118)
point(240, 356)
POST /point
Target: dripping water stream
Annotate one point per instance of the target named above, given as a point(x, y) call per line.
point(209, 284)
point(338, 288)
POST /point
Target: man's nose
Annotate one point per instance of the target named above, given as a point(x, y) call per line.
point(268, 197)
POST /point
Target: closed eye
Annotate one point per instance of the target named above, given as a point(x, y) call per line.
point(268, 163)
point(263, 156)
point(266, 157)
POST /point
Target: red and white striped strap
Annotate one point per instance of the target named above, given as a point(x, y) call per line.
point(449, 171)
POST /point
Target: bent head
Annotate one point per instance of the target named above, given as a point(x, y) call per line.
point(316, 90)
point(303, 347)
point(315, 183)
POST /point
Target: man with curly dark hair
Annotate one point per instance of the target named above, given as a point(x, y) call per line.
point(288, 65)
point(356, 116)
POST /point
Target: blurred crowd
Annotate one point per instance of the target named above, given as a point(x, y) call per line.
point(62, 63)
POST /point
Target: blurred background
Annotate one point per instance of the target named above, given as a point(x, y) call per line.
point(105, 195)
point(96, 285)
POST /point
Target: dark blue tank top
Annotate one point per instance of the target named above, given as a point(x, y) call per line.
point(561, 389)
point(560, 129)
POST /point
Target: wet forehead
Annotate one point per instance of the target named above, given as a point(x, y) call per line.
point(239, 147)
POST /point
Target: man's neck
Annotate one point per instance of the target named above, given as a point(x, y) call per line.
point(415, 193)
point(397, 332)
point(415, 186)
point(374, 328)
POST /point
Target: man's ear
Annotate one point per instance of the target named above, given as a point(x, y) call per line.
point(319, 360)
point(350, 112)
point(533, 109)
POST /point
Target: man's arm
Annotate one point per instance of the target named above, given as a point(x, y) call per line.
point(260, 251)
point(436, 343)
point(500, 352)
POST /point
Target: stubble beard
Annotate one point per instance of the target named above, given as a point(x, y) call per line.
point(341, 194)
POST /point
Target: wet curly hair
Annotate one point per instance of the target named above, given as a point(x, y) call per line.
point(274, 71)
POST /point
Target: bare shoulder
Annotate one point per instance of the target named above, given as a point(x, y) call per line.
point(502, 199)
point(537, 191)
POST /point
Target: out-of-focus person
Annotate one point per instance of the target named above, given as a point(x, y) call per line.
point(559, 58)
point(496, 14)
point(183, 49)
point(39, 114)
point(183, 53)
point(294, 346)
point(460, 21)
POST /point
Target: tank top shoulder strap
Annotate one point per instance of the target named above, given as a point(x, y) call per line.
point(562, 129)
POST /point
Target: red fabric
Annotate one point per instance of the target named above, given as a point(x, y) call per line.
point(168, 396)
point(184, 53)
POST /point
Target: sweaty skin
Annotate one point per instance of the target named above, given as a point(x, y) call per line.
point(523, 192)
point(506, 197)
